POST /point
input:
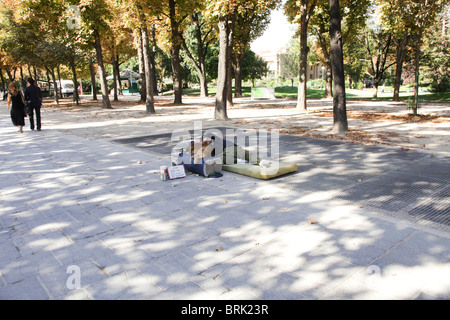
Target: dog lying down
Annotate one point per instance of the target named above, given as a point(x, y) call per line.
point(200, 150)
point(206, 148)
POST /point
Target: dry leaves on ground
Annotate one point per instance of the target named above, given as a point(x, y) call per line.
point(376, 116)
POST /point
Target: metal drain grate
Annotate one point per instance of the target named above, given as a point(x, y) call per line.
point(436, 169)
point(435, 210)
point(392, 191)
point(420, 199)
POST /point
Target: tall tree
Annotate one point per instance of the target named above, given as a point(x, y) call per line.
point(150, 107)
point(96, 16)
point(174, 14)
point(340, 124)
point(289, 65)
point(425, 12)
point(396, 17)
point(379, 47)
point(353, 15)
point(301, 12)
point(200, 36)
point(436, 58)
point(227, 12)
point(175, 26)
point(93, 72)
point(148, 70)
point(138, 16)
point(46, 46)
point(220, 112)
point(249, 26)
point(253, 67)
point(224, 12)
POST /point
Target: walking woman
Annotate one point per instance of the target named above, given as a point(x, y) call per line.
point(15, 97)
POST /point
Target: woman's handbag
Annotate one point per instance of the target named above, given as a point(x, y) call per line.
point(27, 108)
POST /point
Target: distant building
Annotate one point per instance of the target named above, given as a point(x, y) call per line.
point(275, 63)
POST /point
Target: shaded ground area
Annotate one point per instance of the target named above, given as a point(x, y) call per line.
point(394, 182)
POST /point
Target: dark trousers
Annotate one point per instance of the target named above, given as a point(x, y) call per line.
point(36, 110)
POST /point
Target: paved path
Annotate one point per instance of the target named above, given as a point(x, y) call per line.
point(89, 219)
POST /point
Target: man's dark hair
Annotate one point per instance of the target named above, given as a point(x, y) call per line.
point(30, 81)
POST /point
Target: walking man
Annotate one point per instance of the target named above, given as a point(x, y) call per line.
point(33, 96)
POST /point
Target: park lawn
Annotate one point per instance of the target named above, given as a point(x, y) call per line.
point(291, 92)
point(287, 92)
point(246, 91)
point(366, 94)
point(280, 92)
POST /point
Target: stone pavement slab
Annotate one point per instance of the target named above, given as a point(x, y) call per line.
point(98, 205)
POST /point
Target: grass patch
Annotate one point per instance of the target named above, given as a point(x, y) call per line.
point(287, 92)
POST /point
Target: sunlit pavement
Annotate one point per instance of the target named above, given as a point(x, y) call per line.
point(90, 219)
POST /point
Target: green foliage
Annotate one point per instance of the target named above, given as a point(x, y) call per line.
point(253, 67)
point(210, 50)
point(316, 83)
point(50, 43)
point(436, 56)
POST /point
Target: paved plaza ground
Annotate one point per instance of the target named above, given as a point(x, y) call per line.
point(84, 215)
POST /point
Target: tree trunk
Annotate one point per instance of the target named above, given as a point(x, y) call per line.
point(141, 66)
point(220, 112)
point(119, 81)
point(176, 75)
point(55, 84)
point(329, 80)
point(23, 82)
point(8, 73)
point(2, 80)
point(238, 76)
point(93, 81)
point(47, 73)
point(340, 124)
point(201, 58)
point(200, 64)
point(76, 97)
point(399, 65)
point(304, 49)
point(115, 77)
point(106, 103)
point(417, 73)
point(152, 59)
point(175, 55)
point(203, 84)
point(376, 84)
point(230, 37)
point(59, 78)
point(35, 73)
point(200, 68)
point(150, 107)
point(29, 70)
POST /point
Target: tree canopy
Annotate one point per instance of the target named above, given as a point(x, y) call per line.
point(174, 43)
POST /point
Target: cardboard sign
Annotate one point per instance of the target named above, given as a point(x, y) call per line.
point(176, 172)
